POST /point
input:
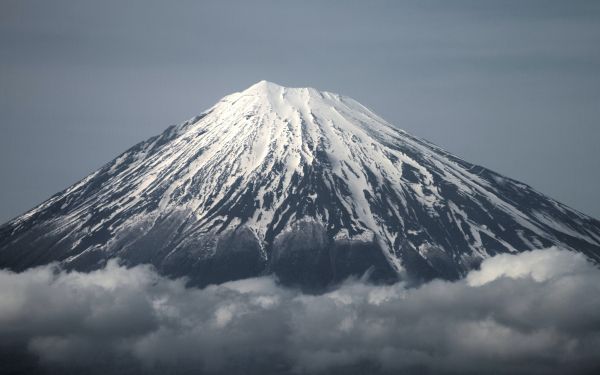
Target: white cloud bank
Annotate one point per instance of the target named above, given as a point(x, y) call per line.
point(535, 312)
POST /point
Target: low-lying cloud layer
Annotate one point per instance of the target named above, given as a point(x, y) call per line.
point(536, 312)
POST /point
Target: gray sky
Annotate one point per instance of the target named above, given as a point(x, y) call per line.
point(510, 85)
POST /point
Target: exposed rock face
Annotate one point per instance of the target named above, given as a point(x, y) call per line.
point(309, 185)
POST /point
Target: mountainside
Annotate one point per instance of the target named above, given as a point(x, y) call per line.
point(309, 185)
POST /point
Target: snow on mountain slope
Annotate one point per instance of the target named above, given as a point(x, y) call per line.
point(309, 185)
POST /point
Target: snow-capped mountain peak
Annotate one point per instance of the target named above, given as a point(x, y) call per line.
point(310, 185)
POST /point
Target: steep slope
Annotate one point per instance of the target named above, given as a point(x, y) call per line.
point(309, 185)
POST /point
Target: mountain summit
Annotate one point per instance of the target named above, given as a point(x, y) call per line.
point(309, 185)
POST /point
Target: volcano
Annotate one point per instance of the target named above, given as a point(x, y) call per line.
point(308, 185)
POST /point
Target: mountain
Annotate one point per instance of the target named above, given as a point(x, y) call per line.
point(309, 185)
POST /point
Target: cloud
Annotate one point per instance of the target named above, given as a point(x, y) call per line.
point(538, 265)
point(535, 312)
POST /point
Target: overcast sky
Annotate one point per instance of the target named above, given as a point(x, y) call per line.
point(510, 85)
